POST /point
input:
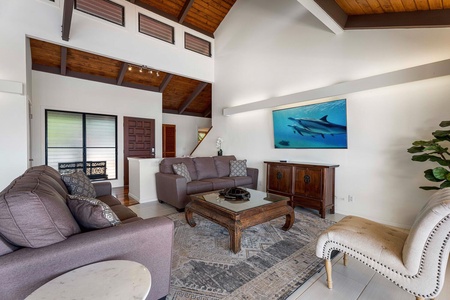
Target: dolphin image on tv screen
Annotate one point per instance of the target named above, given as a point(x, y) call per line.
point(319, 126)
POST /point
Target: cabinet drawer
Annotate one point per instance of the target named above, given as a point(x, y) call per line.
point(279, 178)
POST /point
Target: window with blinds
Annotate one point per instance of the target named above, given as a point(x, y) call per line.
point(197, 44)
point(156, 29)
point(83, 141)
point(104, 9)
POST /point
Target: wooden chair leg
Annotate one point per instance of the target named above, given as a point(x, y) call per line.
point(328, 269)
point(420, 298)
point(345, 259)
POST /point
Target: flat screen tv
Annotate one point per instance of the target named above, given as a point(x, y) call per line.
point(321, 125)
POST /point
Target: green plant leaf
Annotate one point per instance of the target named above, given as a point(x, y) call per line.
point(416, 149)
point(448, 177)
point(441, 133)
point(423, 143)
point(445, 184)
point(430, 176)
point(421, 157)
point(444, 123)
point(427, 188)
point(437, 148)
point(440, 173)
point(439, 160)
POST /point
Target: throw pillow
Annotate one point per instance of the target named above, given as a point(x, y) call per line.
point(91, 213)
point(238, 168)
point(79, 184)
point(182, 170)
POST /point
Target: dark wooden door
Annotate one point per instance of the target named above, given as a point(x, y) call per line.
point(279, 178)
point(169, 140)
point(308, 182)
point(139, 140)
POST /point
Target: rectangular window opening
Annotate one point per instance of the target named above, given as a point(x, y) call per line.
point(156, 29)
point(81, 142)
point(197, 44)
point(103, 9)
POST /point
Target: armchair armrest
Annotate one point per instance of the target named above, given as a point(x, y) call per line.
point(253, 173)
point(102, 188)
point(148, 242)
point(171, 188)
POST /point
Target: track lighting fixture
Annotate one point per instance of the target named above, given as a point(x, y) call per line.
point(130, 68)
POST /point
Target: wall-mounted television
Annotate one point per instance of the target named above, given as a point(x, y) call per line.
point(321, 125)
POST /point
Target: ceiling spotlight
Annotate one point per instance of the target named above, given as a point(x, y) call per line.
point(157, 73)
point(130, 68)
point(140, 70)
point(150, 72)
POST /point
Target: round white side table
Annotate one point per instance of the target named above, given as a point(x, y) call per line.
point(106, 280)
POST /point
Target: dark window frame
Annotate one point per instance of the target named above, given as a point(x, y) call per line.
point(84, 148)
point(194, 36)
point(97, 16)
point(153, 36)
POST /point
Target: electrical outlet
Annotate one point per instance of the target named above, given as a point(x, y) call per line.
point(350, 198)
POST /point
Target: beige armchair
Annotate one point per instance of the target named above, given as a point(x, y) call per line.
point(415, 261)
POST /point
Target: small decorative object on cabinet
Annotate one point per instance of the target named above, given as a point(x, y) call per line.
point(308, 185)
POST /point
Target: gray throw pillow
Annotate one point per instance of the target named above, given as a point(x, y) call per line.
point(238, 168)
point(91, 213)
point(182, 170)
point(79, 184)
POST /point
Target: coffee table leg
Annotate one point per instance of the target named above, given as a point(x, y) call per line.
point(290, 218)
point(235, 233)
point(189, 218)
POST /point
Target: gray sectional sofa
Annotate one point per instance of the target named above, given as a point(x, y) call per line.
point(40, 239)
point(207, 174)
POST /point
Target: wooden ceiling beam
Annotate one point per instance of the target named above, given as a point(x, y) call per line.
point(187, 113)
point(184, 11)
point(328, 12)
point(123, 71)
point(63, 60)
point(165, 82)
point(67, 19)
point(192, 97)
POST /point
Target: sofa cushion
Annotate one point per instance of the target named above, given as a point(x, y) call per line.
point(123, 212)
point(242, 180)
point(196, 186)
point(238, 168)
point(205, 167)
point(6, 247)
point(181, 169)
point(166, 165)
point(220, 183)
point(79, 184)
point(43, 177)
point(110, 200)
point(50, 172)
point(223, 164)
point(51, 220)
point(91, 213)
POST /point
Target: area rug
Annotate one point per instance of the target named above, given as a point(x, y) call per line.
point(271, 265)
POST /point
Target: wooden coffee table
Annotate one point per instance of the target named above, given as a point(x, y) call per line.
point(235, 216)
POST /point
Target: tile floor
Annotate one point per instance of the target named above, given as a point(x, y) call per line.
point(353, 282)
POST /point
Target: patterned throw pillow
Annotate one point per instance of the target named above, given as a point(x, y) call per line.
point(238, 168)
point(79, 184)
point(91, 213)
point(182, 170)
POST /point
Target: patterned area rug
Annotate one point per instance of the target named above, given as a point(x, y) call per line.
point(271, 265)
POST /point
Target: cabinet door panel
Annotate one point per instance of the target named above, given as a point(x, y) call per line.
point(279, 178)
point(308, 182)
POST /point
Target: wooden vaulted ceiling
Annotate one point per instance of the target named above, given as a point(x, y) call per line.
point(192, 97)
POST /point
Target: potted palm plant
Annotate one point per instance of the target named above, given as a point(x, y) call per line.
point(435, 150)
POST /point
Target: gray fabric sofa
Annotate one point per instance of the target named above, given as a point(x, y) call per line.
point(41, 195)
point(207, 173)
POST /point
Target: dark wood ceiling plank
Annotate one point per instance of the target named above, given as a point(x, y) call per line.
point(409, 5)
point(207, 112)
point(67, 19)
point(185, 10)
point(375, 6)
point(156, 10)
point(422, 5)
point(417, 19)
point(192, 97)
point(123, 71)
point(174, 111)
point(436, 4)
point(446, 4)
point(165, 82)
point(398, 6)
point(63, 60)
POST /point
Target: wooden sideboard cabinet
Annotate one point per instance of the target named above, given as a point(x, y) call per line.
point(306, 184)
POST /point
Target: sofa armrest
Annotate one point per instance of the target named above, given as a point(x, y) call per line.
point(148, 242)
point(253, 173)
point(103, 188)
point(171, 188)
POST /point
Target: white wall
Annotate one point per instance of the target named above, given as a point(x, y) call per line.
point(42, 19)
point(187, 131)
point(70, 94)
point(270, 48)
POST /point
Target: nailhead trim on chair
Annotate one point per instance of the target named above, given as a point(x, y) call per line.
point(427, 243)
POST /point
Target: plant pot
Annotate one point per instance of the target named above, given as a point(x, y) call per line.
point(219, 153)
